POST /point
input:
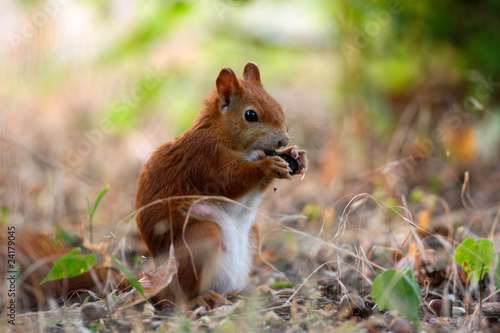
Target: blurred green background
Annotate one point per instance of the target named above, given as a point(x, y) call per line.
point(388, 97)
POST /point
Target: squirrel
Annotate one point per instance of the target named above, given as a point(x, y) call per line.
point(26, 260)
point(229, 152)
point(198, 193)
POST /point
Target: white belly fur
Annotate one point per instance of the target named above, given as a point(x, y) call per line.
point(235, 222)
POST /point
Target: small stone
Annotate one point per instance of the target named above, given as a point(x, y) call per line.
point(92, 312)
point(450, 298)
point(458, 311)
point(352, 304)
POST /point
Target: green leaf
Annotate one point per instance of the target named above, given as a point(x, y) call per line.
point(475, 257)
point(417, 194)
point(97, 201)
point(70, 265)
point(397, 290)
point(312, 210)
point(93, 209)
point(392, 207)
point(434, 184)
point(130, 277)
point(64, 236)
point(283, 284)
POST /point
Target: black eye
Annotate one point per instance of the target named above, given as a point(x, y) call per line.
point(251, 116)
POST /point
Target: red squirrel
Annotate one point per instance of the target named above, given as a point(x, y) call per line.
point(221, 154)
point(215, 241)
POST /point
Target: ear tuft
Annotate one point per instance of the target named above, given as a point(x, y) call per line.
point(227, 85)
point(251, 73)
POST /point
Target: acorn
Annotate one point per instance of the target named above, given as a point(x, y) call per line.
point(352, 305)
point(440, 308)
point(293, 164)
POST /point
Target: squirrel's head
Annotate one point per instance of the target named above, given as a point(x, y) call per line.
point(251, 118)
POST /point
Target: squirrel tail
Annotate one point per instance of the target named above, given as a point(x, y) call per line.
point(27, 259)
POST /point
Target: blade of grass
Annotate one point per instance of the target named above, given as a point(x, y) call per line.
point(93, 209)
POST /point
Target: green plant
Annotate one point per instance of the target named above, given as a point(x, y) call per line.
point(64, 236)
point(130, 278)
point(417, 194)
point(283, 284)
point(476, 257)
point(93, 209)
point(392, 207)
point(397, 290)
point(71, 264)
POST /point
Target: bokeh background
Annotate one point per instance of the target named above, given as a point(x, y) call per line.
point(396, 102)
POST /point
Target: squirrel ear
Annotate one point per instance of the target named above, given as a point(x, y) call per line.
point(227, 85)
point(251, 73)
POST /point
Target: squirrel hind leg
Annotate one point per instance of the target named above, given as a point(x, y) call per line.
point(205, 211)
point(198, 253)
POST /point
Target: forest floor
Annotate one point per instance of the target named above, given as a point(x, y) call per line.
point(317, 265)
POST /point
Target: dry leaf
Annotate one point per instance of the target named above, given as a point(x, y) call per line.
point(152, 283)
point(271, 316)
point(328, 312)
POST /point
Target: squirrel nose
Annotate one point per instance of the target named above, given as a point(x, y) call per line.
point(283, 142)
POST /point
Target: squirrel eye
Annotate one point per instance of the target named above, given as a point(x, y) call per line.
point(251, 116)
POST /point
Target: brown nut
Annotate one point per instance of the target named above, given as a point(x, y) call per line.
point(440, 308)
point(293, 164)
point(352, 305)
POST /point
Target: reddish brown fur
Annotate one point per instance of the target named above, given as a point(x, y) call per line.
point(34, 255)
point(207, 160)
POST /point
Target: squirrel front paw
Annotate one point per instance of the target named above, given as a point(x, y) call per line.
point(300, 156)
point(279, 168)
